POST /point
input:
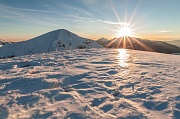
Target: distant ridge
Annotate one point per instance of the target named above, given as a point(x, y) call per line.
point(103, 41)
point(139, 44)
point(61, 39)
point(3, 43)
point(174, 42)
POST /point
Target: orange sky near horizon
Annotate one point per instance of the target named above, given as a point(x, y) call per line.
point(93, 19)
point(18, 38)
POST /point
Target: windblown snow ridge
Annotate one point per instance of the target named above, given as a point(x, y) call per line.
point(53, 41)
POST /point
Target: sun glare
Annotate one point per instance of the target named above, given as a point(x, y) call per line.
point(125, 31)
point(123, 57)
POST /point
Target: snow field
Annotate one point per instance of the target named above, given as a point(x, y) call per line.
point(91, 83)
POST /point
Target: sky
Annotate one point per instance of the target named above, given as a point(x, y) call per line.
point(149, 19)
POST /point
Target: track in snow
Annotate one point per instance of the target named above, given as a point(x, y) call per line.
point(91, 83)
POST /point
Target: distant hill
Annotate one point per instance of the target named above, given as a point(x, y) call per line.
point(53, 41)
point(140, 44)
point(174, 42)
point(3, 43)
point(103, 41)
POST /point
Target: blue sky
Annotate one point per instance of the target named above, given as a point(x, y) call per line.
point(150, 19)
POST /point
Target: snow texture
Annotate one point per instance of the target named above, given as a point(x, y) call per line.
point(91, 83)
point(53, 41)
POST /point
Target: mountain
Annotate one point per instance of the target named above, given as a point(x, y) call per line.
point(3, 43)
point(140, 44)
point(103, 41)
point(53, 41)
point(91, 84)
point(174, 42)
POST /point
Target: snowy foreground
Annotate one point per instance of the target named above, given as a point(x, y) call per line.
point(96, 83)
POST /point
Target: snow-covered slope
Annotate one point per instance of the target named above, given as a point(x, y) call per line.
point(91, 83)
point(56, 40)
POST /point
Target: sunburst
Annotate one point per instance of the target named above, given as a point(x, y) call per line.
point(125, 31)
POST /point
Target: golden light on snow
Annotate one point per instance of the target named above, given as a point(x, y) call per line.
point(123, 57)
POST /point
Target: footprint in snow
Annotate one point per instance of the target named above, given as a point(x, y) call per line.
point(106, 107)
point(98, 101)
point(155, 105)
point(112, 72)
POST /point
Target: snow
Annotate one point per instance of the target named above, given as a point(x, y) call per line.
point(3, 43)
point(91, 83)
point(55, 40)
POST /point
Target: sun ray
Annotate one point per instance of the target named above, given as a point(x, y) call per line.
point(109, 44)
point(124, 42)
point(115, 12)
point(143, 45)
point(130, 43)
point(119, 42)
point(139, 27)
point(134, 12)
point(125, 30)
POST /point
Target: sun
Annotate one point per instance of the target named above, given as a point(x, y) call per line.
point(124, 31)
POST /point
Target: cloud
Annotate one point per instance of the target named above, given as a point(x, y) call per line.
point(114, 23)
point(13, 10)
point(58, 20)
point(80, 10)
point(156, 32)
point(11, 13)
point(88, 2)
point(29, 10)
point(164, 31)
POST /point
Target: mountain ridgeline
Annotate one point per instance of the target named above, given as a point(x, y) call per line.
point(4, 43)
point(65, 40)
point(53, 41)
point(174, 42)
point(139, 44)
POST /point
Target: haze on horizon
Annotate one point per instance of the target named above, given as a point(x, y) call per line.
point(149, 19)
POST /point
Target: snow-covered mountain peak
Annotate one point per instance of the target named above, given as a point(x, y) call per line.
point(60, 39)
point(64, 31)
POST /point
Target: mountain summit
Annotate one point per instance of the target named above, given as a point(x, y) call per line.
point(53, 41)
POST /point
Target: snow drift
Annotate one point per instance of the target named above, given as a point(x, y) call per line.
point(56, 40)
